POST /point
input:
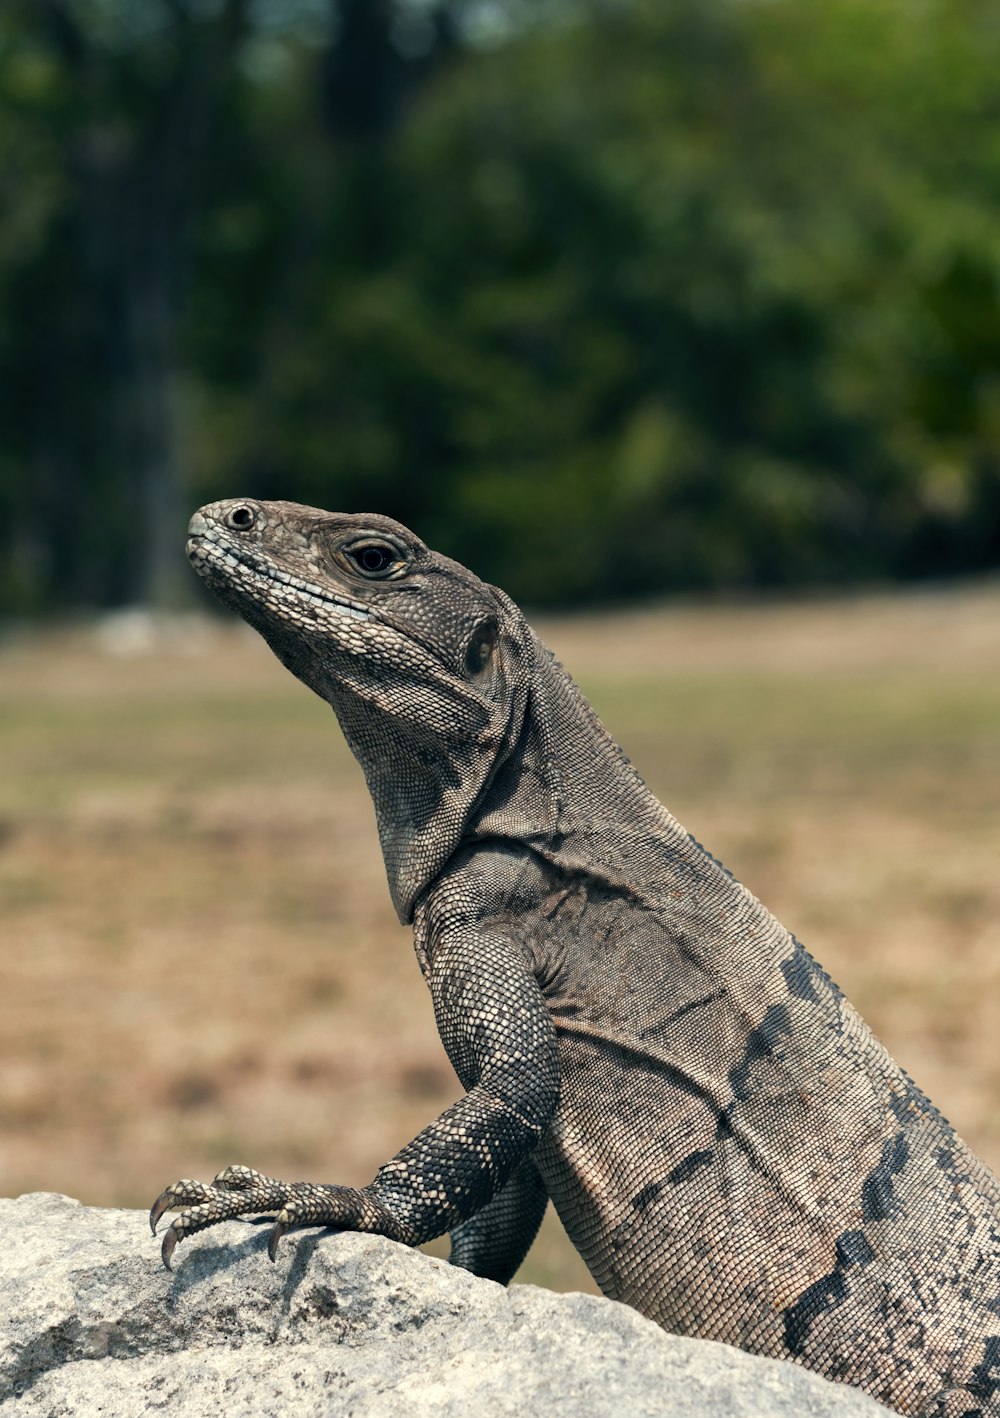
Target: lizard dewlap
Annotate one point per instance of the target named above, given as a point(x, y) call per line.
point(728, 1146)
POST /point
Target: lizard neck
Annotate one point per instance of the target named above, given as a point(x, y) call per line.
point(567, 790)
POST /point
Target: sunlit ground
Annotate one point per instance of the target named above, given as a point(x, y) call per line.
point(200, 964)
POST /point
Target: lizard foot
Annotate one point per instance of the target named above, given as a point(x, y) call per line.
point(242, 1191)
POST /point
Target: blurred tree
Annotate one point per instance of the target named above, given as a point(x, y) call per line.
point(120, 98)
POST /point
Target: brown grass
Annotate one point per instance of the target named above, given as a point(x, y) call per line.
point(200, 962)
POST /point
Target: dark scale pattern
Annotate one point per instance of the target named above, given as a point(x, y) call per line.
point(728, 1146)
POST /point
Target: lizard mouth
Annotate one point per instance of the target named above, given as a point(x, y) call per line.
point(215, 560)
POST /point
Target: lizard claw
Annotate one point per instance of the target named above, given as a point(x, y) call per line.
point(162, 1203)
point(277, 1231)
point(167, 1249)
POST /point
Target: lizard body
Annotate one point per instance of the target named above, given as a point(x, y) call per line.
point(728, 1146)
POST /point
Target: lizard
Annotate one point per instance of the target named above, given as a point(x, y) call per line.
point(728, 1146)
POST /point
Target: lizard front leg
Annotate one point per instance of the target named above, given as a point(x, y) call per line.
point(494, 1020)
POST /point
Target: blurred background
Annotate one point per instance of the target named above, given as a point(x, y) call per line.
point(678, 316)
point(715, 277)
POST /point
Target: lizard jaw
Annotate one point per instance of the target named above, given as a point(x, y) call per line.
point(215, 559)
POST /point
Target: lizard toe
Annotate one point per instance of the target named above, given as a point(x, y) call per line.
point(181, 1193)
point(237, 1178)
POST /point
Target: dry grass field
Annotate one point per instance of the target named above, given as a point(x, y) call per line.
point(199, 960)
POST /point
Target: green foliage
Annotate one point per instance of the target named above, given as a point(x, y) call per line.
point(629, 297)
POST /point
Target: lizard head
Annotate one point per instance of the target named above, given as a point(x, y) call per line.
point(423, 663)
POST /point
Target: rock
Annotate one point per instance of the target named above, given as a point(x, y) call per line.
point(340, 1325)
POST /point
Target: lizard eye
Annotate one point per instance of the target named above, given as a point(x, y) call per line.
point(481, 647)
point(242, 518)
point(374, 559)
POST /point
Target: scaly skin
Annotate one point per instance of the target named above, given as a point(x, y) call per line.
point(728, 1146)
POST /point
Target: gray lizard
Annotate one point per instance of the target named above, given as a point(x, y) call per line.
point(729, 1148)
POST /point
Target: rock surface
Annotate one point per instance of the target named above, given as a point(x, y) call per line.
point(341, 1325)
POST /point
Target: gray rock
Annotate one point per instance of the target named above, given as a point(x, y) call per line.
point(341, 1325)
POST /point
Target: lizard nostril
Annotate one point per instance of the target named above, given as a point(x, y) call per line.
point(242, 518)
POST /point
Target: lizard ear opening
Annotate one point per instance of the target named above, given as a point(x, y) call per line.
point(480, 648)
